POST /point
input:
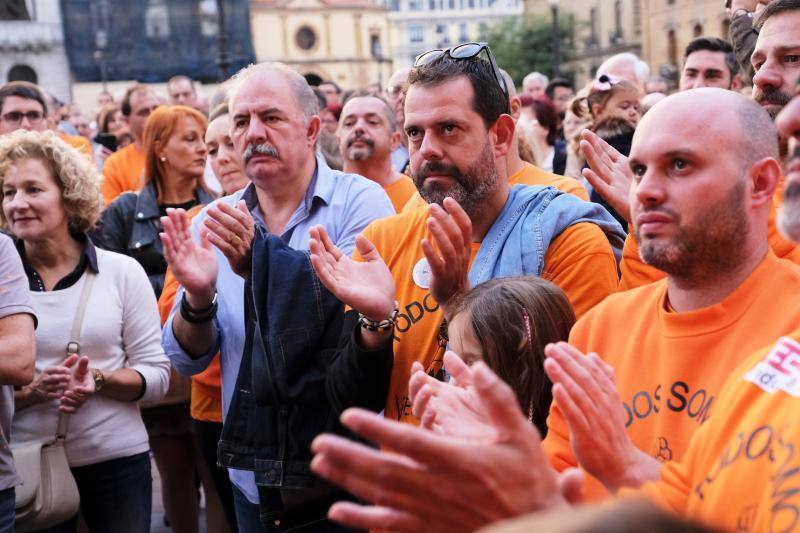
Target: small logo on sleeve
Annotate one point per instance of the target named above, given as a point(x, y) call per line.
point(780, 369)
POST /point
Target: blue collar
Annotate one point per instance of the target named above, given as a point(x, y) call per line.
point(320, 187)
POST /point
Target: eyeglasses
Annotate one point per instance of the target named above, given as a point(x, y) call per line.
point(15, 117)
point(464, 51)
point(394, 90)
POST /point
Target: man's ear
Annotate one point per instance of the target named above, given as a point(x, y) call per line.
point(313, 129)
point(395, 142)
point(503, 134)
point(516, 107)
point(736, 83)
point(764, 177)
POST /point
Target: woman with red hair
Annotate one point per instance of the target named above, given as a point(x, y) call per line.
point(175, 158)
point(539, 125)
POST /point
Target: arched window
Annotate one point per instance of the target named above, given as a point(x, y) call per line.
point(305, 38)
point(22, 73)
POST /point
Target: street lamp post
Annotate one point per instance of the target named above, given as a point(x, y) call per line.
point(100, 43)
point(223, 61)
point(556, 38)
point(99, 13)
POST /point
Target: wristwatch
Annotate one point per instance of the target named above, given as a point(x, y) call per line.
point(99, 379)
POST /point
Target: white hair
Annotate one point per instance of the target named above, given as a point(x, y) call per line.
point(640, 68)
point(303, 94)
point(535, 76)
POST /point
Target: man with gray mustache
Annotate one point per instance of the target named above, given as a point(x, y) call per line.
point(367, 137)
point(259, 149)
point(275, 125)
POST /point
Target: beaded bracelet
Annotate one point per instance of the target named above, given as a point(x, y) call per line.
point(380, 325)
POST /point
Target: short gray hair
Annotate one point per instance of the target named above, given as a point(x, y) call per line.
point(641, 68)
point(535, 76)
point(303, 94)
point(388, 111)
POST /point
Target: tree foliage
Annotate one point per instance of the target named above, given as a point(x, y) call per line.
point(525, 44)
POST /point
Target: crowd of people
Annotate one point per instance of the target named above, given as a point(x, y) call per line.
point(444, 305)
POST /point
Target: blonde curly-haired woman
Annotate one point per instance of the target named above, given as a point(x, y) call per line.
point(50, 200)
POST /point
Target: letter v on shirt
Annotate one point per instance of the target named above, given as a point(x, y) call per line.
point(669, 366)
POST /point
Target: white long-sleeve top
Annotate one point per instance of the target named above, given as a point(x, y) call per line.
point(121, 329)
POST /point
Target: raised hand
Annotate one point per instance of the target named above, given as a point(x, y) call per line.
point(609, 172)
point(417, 473)
point(231, 229)
point(450, 409)
point(450, 252)
point(585, 392)
point(195, 267)
point(366, 286)
point(81, 384)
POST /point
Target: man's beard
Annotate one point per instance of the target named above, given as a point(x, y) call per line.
point(773, 96)
point(471, 188)
point(714, 244)
point(361, 153)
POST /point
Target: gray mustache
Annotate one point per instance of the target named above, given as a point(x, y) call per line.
point(259, 149)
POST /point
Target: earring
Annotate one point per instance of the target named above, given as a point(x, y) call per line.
point(163, 159)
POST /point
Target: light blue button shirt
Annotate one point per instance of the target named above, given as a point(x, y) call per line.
point(344, 204)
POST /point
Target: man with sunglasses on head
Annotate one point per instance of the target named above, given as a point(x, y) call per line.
point(475, 226)
point(22, 107)
point(481, 458)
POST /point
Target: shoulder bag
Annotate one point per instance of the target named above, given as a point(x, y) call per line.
point(48, 495)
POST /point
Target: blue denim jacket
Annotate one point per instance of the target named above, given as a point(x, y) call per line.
point(531, 218)
point(280, 396)
point(281, 381)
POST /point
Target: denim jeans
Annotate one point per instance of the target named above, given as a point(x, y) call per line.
point(247, 516)
point(7, 500)
point(116, 496)
point(207, 437)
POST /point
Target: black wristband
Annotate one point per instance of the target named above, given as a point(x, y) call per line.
point(204, 310)
point(199, 316)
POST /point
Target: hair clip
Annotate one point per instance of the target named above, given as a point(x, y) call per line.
point(603, 83)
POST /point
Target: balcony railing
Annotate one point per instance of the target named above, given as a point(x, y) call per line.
point(26, 35)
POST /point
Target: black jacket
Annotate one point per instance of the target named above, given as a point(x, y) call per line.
point(130, 226)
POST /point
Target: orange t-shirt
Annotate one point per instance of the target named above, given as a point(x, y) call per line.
point(206, 398)
point(528, 175)
point(742, 469)
point(82, 144)
point(671, 366)
point(400, 192)
point(122, 172)
point(580, 249)
point(636, 272)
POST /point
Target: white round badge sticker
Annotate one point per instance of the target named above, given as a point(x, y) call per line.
point(422, 274)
